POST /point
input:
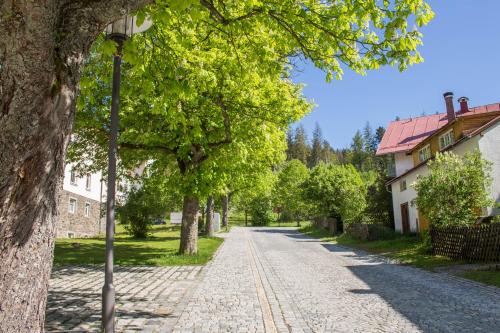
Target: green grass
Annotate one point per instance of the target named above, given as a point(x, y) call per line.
point(160, 249)
point(491, 277)
point(408, 250)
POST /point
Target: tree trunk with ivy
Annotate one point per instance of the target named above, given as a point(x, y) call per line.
point(42, 49)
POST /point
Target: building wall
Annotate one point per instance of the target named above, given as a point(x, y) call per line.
point(408, 195)
point(80, 187)
point(489, 145)
point(403, 163)
point(77, 225)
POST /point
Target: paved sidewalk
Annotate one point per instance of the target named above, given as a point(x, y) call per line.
point(149, 299)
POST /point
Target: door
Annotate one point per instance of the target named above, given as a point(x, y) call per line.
point(405, 218)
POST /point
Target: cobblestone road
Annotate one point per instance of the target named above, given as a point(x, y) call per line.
point(277, 280)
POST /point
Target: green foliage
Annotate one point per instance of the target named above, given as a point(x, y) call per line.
point(260, 209)
point(287, 192)
point(454, 192)
point(379, 203)
point(152, 200)
point(336, 191)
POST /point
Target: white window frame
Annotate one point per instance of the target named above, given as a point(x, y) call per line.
point(88, 182)
point(73, 178)
point(86, 209)
point(72, 211)
point(449, 136)
point(423, 158)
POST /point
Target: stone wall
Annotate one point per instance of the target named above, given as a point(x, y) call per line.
point(77, 225)
point(326, 223)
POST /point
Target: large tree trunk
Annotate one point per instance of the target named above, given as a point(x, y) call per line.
point(209, 224)
point(225, 210)
point(42, 48)
point(189, 226)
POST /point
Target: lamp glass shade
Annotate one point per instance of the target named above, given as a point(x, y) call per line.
point(126, 26)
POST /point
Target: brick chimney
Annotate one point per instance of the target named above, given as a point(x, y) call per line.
point(464, 107)
point(450, 110)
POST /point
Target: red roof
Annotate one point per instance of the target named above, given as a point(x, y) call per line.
point(403, 135)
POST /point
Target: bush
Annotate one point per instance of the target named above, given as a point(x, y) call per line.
point(336, 191)
point(454, 191)
point(261, 210)
point(138, 212)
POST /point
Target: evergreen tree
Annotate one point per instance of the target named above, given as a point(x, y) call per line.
point(301, 149)
point(379, 134)
point(317, 147)
point(356, 155)
point(290, 150)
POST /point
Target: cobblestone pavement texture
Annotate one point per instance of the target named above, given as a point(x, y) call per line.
point(148, 299)
point(277, 280)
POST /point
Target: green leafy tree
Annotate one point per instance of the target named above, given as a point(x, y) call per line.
point(210, 114)
point(287, 192)
point(336, 191)
point(36, 125)
point(454, 192)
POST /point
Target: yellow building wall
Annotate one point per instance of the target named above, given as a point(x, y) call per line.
point(434, 141)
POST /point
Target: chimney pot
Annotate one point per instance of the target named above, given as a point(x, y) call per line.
point(464, 106)
point(450, 110)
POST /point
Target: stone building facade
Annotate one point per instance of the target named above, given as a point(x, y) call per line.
point(79, 216)
point(80, 205)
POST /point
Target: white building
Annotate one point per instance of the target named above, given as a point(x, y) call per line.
point(82, 203)
point(414, 141)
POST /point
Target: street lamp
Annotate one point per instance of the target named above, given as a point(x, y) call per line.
point(118, 31)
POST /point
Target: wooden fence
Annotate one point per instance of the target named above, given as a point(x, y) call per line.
point(474, 243)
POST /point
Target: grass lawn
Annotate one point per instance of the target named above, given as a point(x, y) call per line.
point(489, 277)
point(158, 250)
point(407, 249)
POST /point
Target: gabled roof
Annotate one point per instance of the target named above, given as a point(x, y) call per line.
point(403, 135)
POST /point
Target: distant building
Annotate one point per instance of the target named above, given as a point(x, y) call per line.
point(413, 142)
point(82, 203)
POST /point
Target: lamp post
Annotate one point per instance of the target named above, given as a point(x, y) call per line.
point(118, 31)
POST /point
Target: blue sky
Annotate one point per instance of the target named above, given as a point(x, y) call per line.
point(462, 54)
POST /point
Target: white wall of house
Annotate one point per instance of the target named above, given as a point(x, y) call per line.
point(407, 196)
point(403, 163)
point(80, 187)
point(489, 145)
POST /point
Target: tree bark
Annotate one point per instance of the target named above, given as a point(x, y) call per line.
point(189, 226)
point(42, 48)
point(209, 224)
point(225, 210)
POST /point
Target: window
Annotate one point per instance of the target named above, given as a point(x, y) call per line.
point(72, 178)
point(71, 235)
point(87, 209)
point(72, 206)
point(446, 139)
point(402, 185)
point(424, 154)
point(88, 182)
